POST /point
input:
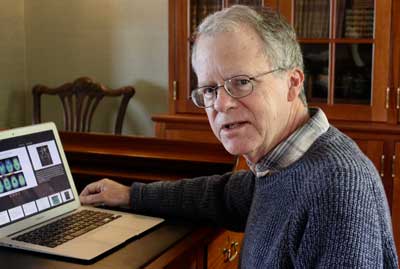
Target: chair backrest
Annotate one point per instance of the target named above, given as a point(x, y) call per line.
point(79, 101)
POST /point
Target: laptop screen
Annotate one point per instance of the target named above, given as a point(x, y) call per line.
point(32, 177)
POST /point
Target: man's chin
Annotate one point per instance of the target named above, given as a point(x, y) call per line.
point(234, 149)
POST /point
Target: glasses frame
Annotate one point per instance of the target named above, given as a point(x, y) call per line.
point(224, 85)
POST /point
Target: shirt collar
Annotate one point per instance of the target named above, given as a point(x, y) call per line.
point(294, 147)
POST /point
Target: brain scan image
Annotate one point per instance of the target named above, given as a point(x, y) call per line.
point(17, 165)
point(14, 182)
point(9, 166)
point(1, 187)
point(2, 168)
point(21, 179)
point(7, 184)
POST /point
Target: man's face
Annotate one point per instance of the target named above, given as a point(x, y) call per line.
point(253, 125)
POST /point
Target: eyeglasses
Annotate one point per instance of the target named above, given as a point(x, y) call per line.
point(237, 87)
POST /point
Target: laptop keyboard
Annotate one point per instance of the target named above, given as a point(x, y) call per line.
point(67, 228)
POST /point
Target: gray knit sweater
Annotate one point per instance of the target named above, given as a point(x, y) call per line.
point(326, 210)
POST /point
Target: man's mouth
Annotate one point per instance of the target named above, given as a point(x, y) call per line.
point(233, 125)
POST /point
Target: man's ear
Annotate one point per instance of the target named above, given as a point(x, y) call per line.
point(296, 79)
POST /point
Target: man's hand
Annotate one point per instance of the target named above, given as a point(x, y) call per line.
point(105, 192)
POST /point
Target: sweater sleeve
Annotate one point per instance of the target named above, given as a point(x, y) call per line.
point(221, 199)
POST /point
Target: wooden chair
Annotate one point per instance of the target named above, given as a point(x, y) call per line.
point(79, 100)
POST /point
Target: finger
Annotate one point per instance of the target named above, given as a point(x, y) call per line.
point(93, 199)
point(94, 187)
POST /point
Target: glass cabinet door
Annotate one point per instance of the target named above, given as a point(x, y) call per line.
point(353, 74)
point(198, 10)
point(339, 46)
point(245, 2)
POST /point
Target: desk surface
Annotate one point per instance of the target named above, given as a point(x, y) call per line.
point(134, 254)
point(128, 159)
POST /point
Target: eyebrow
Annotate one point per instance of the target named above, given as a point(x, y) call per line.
point(210, 84)
point(207, 85)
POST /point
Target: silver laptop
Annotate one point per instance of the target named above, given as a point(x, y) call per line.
point(39, 204)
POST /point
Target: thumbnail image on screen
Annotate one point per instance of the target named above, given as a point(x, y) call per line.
point(44, 155)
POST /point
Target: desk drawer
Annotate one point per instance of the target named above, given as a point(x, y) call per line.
point(223, 251)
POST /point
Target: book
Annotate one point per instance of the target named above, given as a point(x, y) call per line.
point(359, 19)
point(312, 18)
point(298, 17)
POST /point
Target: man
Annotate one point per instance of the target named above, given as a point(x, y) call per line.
point(311, 199)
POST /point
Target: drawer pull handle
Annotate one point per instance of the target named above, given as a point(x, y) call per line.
point(231, 253)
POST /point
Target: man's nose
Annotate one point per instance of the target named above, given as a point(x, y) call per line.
point(223, 101)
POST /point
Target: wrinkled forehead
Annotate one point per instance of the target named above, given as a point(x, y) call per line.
point(239, 46)
point(236, 33)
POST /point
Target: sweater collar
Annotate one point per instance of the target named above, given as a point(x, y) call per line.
point(294, 147)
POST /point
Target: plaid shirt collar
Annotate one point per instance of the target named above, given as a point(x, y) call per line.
point(290, 150)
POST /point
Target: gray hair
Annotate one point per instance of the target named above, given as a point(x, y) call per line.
point(281, 48)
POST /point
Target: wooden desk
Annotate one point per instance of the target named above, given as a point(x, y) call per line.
point(145, 251)
point(127, 159)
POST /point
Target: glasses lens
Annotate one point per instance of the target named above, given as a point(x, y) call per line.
point(239, 86)
point(203, 97)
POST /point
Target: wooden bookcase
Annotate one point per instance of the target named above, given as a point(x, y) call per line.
point(343, 73)
point(352, 73)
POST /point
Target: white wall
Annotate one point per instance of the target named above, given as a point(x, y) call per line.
point(12, 63)
point(116, 42)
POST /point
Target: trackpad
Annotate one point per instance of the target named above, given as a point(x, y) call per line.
point(110, 234)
